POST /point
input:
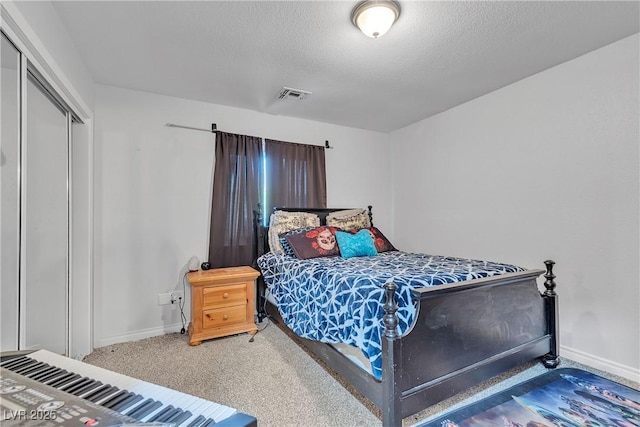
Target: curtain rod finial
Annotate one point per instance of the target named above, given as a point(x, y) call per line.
point(326, 145)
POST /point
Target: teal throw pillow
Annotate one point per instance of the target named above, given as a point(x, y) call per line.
point(354, 245)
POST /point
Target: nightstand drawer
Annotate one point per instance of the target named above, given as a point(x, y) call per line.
point(224, 316)
point(221, 296)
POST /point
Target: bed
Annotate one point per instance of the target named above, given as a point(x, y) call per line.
point(405, 330)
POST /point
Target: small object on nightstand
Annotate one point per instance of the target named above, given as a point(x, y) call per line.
point(192, 265)
point(222, 302)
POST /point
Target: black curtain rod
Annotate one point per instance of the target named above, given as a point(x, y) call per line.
point(214, 129)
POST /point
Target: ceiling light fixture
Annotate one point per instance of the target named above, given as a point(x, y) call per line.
point(375, 17)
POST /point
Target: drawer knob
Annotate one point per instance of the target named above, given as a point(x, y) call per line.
point(225, 295)
point(225, 317)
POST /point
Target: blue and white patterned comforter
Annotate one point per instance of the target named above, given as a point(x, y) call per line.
point(337, 300)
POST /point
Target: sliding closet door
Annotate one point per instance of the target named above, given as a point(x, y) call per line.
point(9, 194)
point(45, 223)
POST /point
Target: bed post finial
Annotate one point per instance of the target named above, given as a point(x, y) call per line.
point(390, 320)
point(549, 283)
point(370, 214)
point(551, 359)
point(391, 405)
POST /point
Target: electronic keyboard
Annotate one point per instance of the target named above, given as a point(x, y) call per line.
point(45, 389)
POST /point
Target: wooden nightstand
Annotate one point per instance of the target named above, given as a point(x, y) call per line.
point(222, 302)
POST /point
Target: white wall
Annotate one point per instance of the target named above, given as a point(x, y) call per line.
point(544, 168)
point(153, 190)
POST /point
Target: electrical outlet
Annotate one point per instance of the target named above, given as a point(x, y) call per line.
point(164, 299)
point(175, 297)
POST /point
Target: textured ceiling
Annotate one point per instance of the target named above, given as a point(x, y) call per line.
point(241, 53)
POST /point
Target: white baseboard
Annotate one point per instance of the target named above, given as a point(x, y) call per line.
point(138, 335)
point(596, 362)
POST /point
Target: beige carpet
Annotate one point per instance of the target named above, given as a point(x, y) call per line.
point(271, 378)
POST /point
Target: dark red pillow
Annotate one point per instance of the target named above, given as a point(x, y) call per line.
point(382, 243)
point(314, 243)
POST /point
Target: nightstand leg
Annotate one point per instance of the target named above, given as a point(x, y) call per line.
point(192, 342)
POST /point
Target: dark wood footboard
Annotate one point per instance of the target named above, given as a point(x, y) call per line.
point(464, 334)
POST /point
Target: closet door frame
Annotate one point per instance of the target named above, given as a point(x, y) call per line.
point(42, 55)
point(11, 204)
point(30, 74)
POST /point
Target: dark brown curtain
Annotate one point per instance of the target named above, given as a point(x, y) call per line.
point(296, 175)
point(237, 180)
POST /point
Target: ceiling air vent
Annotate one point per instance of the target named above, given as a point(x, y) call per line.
point(289, 94)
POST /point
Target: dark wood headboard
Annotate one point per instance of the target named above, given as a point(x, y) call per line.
point(262, 232)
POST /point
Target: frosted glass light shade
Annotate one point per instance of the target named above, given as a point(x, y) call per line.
point(374, 18)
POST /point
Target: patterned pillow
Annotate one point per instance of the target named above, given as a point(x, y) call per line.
point(280, 222)
point(286, 247)
point(313, 243)
point(288, 250)
point(349, 219)
point(356, 245)
point(382, 243)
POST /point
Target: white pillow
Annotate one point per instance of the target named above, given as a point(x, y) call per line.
point(351, 219)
